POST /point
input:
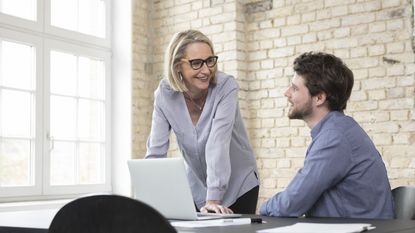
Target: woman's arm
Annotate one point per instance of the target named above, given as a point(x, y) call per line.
point(158, 141)
point(217, 147)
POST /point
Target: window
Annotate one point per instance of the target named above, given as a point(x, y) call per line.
point(85, 16)
point(54, 98)
point(14, 8)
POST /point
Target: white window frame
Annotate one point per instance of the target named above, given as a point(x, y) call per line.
point(35, 41)
point(45, 37)
point(12, 21)
point(79, 51)
point(80, 37)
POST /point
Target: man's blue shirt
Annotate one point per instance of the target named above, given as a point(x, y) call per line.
point(343, 176)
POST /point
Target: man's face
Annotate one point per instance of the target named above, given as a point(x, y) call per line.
point(301, 103)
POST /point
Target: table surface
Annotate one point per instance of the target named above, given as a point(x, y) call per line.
point(382, 226)
point(40, 223)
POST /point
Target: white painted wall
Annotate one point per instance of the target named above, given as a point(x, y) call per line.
point(121, 95)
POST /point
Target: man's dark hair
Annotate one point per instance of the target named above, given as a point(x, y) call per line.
point(326, 73)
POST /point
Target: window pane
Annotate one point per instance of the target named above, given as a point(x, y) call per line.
point(91, 78)
point(16, 114)
point(17, 65)
point(77, 106)
point(63, 13)
point(85, 16)
point(91, 120)
point(62, 163)
point(63, 117)
point(91, 163)
point(20, 8)
point(63, 73)
point(16, 163)
point(92, 17)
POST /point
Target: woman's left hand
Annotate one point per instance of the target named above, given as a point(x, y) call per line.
point(214, 206)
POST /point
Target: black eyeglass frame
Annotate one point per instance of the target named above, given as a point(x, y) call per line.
point(193, 66)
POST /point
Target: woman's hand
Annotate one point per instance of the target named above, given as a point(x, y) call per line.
point(214, 206)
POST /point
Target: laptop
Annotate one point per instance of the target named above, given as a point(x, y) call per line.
point(162, 184)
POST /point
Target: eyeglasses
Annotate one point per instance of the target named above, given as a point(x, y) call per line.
point(198, 63)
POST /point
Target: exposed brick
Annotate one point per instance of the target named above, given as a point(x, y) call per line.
point(390, 3)
point(377, 72)
point(281, 52)
point(396, 103)
point(341, 32)
point(294, 30)
point(377, 27)
point(284, 163)
point(400, 162)
point(396, 70)
point(283, 142)
point(339, 11)
point(377, 94)
point(308, 17)
point(376, 50)
point(358, 52)
point(293, 19)
point(402, 138)
point(358, 19)
point(309, 38)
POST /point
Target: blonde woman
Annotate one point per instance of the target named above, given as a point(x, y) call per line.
point(200, 104)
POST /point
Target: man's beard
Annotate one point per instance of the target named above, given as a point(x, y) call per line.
point(301, 113)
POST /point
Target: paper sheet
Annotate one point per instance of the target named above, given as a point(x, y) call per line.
point(211, 223)
point(321, 227)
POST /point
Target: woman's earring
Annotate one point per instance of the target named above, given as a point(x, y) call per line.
point(181, 77)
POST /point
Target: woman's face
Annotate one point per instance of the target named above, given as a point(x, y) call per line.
point(197, 80)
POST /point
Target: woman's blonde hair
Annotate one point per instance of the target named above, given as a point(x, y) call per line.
point(176, 52)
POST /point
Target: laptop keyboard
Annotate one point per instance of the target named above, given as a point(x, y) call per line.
point(218, 215)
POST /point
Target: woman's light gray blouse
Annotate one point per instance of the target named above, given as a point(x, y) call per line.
point(219, 159)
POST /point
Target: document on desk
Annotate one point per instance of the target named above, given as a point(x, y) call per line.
point(212, 223)
point(321, 227)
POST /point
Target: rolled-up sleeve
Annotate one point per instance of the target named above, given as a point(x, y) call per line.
point(217, 147)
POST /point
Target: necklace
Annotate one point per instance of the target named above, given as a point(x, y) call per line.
point(199, 107)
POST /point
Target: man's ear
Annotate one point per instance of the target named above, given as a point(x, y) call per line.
point(320, 98)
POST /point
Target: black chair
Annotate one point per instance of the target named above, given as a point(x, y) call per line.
point(109, 214)
point(404, 198)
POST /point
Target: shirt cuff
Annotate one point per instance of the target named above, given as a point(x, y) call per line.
point(215, 194)
point(263, 209)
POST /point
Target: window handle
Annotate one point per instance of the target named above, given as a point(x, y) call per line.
point(51, 140)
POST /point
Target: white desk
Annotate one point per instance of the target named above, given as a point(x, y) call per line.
point(28, 218)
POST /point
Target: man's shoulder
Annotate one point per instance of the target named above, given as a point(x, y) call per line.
point(343, 127)
point(340, 121)
point(336, 124)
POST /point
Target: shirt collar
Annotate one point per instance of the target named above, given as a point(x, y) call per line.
point(317, 128)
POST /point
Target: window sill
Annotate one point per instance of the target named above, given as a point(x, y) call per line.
point(33, 205)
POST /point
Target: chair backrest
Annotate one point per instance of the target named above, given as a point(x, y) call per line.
point(109, 214)
point(404, 198)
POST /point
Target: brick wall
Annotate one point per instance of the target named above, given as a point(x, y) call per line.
point(142, 84)
point(257, 41)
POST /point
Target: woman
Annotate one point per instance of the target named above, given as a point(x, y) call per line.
point(200, 104)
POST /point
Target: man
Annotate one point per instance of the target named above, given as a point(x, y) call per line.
point(343, 173)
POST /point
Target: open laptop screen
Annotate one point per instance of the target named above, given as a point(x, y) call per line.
point(162, 184)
